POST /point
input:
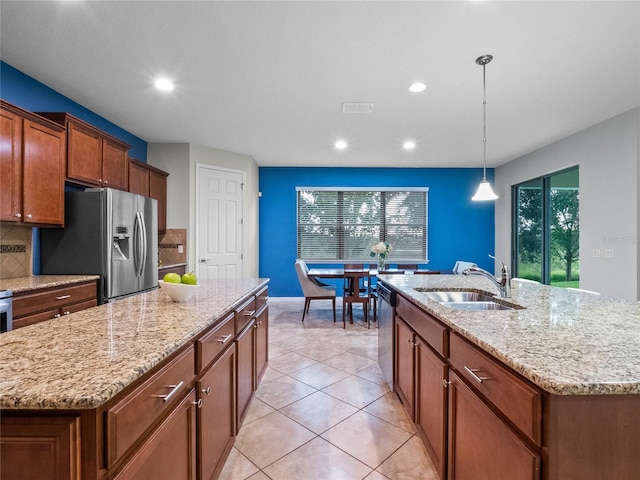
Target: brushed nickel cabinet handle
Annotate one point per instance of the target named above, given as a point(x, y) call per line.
point(472, 372)
point(249, 313)
point(224, 339)
point(175, 388)
point(63, 297)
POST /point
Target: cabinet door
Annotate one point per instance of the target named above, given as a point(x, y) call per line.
point(431, 403)
point(158, 190)
point(114, 165)
point(138, 179)
point(404, 365)
point(245, 363)
point(84, 159)
point(10, 166)
point(40, 447)
point(170, 451)
point(217, 424)
point(262, 344)
point(481, 446)
point(43, 174)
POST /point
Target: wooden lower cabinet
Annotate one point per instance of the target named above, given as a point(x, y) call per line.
point(431, 403)
point(404, 365)
point(170, 451)
point(481, 445)
point(217, 414)
point(40, 447)
point(245, 363)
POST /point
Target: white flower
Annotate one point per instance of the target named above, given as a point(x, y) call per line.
point(382, 249)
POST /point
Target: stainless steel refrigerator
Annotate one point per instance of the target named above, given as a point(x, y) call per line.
point(107, 232)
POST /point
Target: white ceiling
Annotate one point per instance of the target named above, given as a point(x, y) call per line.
point(268, 79)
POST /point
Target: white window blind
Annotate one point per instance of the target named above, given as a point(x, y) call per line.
point(343, 224)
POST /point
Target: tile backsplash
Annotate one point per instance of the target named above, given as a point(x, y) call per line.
point(172, 247)
point(15, 251)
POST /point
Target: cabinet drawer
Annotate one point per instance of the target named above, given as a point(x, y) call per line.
point(261, 298)
point(430, 329)
point(244, 314)
point(41, 300)
point(35, 318)
point(519, 402)
point(132, 416)
point(214, 342)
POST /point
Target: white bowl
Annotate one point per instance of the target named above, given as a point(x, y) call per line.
point(178, 292)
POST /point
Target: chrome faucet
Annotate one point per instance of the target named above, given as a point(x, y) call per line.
point(503, 283)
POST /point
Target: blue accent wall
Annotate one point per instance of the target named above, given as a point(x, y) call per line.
point(459, 229)
point(28, 93)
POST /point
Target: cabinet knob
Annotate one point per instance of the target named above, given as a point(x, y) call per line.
point(57, 315)
point(106, 182)
point(206, 391)
point(66, 313)
point(18, 215)
point(198, 403)
point(445, 382)
point(29, 215)
point(99, 180)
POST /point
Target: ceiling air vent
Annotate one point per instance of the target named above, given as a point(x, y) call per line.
point(357, 107)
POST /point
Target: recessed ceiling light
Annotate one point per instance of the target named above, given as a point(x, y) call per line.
point(417, 87)
point(409, 145)
point(164, 84)
point(340, 144)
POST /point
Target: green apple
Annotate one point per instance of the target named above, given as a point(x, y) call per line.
point(172, 278)
point(190, 278)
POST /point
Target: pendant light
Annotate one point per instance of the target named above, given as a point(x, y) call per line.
point(485, 191)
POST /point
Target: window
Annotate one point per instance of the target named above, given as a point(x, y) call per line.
point(546, 229)
point(343, 224)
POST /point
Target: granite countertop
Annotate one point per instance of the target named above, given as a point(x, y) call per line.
point(566, 342)
point(33, 282)
point(80, 361)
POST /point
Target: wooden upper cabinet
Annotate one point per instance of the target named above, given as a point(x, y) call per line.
point(94, 158)
point(151, 182)
point(32, 168)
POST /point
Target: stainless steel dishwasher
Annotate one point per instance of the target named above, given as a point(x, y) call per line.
point(386, 312)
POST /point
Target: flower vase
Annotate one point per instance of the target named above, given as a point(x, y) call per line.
point(380, 264)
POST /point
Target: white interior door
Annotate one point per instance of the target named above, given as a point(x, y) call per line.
point(219, 212)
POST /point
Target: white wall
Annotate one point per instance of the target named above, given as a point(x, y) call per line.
point(608, 155)
point(179, 160)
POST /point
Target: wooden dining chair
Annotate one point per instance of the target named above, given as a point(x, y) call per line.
point(407, 266)
point(354, 294)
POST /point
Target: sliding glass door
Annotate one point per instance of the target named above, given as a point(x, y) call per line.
point(546, 228)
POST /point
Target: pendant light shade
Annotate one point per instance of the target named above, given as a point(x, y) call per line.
point(485, 192)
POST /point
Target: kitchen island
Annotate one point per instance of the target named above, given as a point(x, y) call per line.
point(94, 394)
point(549, 390)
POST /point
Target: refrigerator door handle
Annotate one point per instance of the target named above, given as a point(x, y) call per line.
point(137, 251)
point(143, 230)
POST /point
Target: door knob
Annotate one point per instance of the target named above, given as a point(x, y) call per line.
point(203, 260)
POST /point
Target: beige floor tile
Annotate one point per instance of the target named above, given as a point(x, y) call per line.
point(367, 438)
point(259, 476)
point(283, 391)
point(389, 408)
point(257, 409)
point(237, 467)
point(270, 438)
point(356, 391)
point(321, 352)
point(319, 411)
point(319, 375)
point(349, 362)
point(290, 362)
point(318, 460)
point(276, 351)
point(271, 374)
point(410, 462)
point(373, 374)
point(376, 476)
point(369, 350)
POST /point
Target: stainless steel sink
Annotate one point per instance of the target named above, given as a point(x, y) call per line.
point(462, 300)
point(459, 297)
point(477, 305)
